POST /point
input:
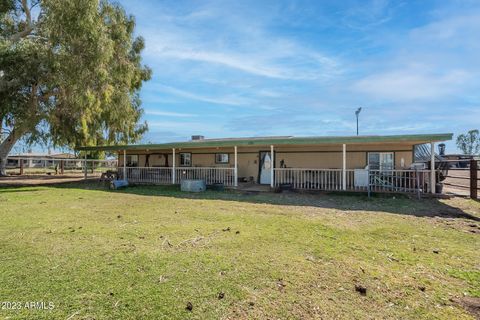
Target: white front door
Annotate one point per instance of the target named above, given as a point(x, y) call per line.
point(265, 168)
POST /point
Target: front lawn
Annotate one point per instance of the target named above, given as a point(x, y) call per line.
point(155, 253)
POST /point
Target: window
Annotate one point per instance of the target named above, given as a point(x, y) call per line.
point(132, 160)
point(382, 161)
point(221, 158)
point(185, 159)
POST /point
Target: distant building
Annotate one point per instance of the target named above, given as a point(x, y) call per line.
point(37, 160)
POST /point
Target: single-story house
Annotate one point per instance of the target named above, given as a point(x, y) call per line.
point(384, 163)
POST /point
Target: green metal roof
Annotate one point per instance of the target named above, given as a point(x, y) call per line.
point(267, 141)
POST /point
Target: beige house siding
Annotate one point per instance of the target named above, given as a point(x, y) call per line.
point(324, 157)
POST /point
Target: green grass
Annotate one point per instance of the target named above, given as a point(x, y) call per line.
point(145, 252)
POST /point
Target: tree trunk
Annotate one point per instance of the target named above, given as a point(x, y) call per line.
point(5, 148)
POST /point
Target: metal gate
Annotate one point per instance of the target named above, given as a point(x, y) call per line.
point(462, 178)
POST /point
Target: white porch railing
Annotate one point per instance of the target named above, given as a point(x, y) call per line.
point(210, 175)
point(309, 179)
point(399, 181)
point(373, 180)
point(148, 175)
point(163, 175)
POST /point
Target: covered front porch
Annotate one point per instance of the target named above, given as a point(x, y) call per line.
point(359, 163)
point(270, 169)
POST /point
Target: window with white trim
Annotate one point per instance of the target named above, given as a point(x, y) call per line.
point(132, 160)
point(185, 159)
point(382, 161)
point(221, 158)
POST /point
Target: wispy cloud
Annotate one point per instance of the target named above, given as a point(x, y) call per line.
point(413, 84)
point(302, 67)
point(232, 99)
point(169, 114)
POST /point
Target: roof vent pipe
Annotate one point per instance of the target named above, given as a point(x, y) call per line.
point(441, 149)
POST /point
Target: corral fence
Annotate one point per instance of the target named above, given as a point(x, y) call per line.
point(50, 166)
point(462, 178)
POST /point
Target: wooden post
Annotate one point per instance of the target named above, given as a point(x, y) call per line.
point(124, 164)
point(272, 172)
point(85, 166)
point(235, 183)
point(432, 167)
point(21, 166)
point(344, 168)
point(173, 166)
point(62, 166)
point(473, 179)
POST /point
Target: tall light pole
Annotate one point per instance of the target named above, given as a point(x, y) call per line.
point(357, 113)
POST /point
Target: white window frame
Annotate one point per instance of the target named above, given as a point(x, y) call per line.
point(184, 163)
point(222, 160)
point(381, 163)
point(130, 161)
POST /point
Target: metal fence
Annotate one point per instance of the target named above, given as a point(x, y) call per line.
point(42, 166)
point(462, 178)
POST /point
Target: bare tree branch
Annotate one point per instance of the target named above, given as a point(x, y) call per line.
point(28, 21)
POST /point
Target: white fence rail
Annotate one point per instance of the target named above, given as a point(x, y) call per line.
point(163, 175)
point(309, 179)
point(148, 175)
point(410, 181)
point(210, 175)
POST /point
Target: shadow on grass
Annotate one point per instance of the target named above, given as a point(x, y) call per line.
point(390, 203)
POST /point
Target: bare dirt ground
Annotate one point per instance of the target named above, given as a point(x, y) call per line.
point(458, 183)
point(32, 180)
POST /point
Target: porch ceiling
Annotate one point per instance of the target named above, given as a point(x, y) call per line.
point(279, 141)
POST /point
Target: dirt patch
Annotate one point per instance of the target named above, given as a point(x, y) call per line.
point(35, 180)
point(471, 304)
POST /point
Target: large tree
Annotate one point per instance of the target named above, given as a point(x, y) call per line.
point(70, 73)
point(469, 142)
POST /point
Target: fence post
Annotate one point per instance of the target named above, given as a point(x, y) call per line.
point(368, 182)
point(432, 168)
point(235, 182)
point(173, 166)
point(85, 166)
point(21, 166)
point(473, 179)
point(272, 171)
point(344, 167)
point(62, 166)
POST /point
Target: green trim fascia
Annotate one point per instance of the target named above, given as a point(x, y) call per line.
point(247, 142)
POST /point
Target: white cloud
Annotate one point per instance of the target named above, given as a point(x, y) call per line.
point(169, 113)
point(412, 84)
point(233, 100)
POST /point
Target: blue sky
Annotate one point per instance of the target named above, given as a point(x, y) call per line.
point(253, 68)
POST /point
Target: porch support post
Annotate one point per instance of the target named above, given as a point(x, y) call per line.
point(272, 172)
point(85, 166)
point(432, 167)
point(344, 168)
point(124, 164)
point(173, 166)
point(235, 176)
